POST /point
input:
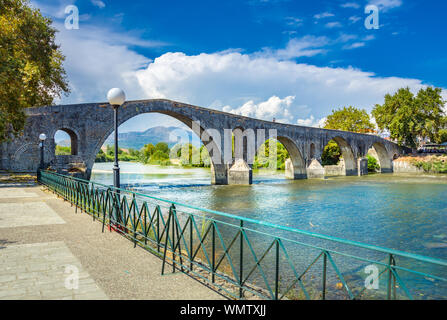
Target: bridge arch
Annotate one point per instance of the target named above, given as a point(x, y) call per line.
point(296, 168)
point(350, 160)
point(295, 165)
point(74, 141)
point(206, 136)
point(383, 156)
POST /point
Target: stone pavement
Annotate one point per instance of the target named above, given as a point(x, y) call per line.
point(47, 251)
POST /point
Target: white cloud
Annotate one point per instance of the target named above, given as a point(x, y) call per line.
point(306, 46)
point(311, 122)
point(352, 5)
point(344, 37)
point(354, 19)
point(251, 84)
point(98, 3)
point(274, 107)
point(386, 5)
point(294, 22)
point(354, 45)
point(56, 9)
point(334, 24)
point(98, 59)
point(323, 15)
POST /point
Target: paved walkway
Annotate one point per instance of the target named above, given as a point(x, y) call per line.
point(49, 252)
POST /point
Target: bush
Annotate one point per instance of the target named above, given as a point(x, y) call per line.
point(432, 164)
point(331, 154)
point(62, 151)
point(373, 164)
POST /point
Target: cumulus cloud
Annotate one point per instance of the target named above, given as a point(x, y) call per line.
point(273, 108)
point(311, 122)
point(96, 62)
point(252, 84)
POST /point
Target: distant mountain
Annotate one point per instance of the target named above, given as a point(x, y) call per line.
point(136, 140)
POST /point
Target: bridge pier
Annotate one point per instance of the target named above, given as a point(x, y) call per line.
point(219, 174)
point(294, 173)
point(315, 170)
point(240, 173)
point(362, 165)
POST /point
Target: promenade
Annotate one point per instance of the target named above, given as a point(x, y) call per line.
point(47, 251)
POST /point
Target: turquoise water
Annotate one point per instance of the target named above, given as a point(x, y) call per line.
point(407, 213)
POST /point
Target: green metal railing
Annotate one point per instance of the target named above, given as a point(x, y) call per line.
point(247, 258)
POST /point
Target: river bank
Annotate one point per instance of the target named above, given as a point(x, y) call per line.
point(421, 164)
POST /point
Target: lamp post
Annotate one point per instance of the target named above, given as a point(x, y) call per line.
point(42, 138)
point(116, 98)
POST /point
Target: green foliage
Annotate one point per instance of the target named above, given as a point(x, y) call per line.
point(349, 119)
point(101, 157)
point(62, 151)
point(442, 136)
point(163, 147)
point(191, 156)
point(408, 117)
point(331, 154)
point(262, 159)
point(31, 72)
point(373, 164)
point(432, 165)
point(159, 155)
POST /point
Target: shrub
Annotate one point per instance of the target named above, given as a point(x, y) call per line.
point(373, 164)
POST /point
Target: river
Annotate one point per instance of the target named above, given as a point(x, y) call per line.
point(407, 213)
point(399, 212)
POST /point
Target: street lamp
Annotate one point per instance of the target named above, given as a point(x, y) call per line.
point(42, 138)
point(116, 98)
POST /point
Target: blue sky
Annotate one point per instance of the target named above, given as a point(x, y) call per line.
point(292, 60)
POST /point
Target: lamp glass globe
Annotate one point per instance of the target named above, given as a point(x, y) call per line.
point(116, 97)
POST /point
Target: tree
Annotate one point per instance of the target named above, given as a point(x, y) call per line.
point(331, 154)
point(163, 147)
point(31, 72)
point(442, 136)
point(349, 119)
point(409, 118)
point(146, 152)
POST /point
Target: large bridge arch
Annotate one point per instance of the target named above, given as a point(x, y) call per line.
point(204, 134)
point(295, 164)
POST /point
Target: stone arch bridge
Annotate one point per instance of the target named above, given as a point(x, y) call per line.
point(90, 124)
